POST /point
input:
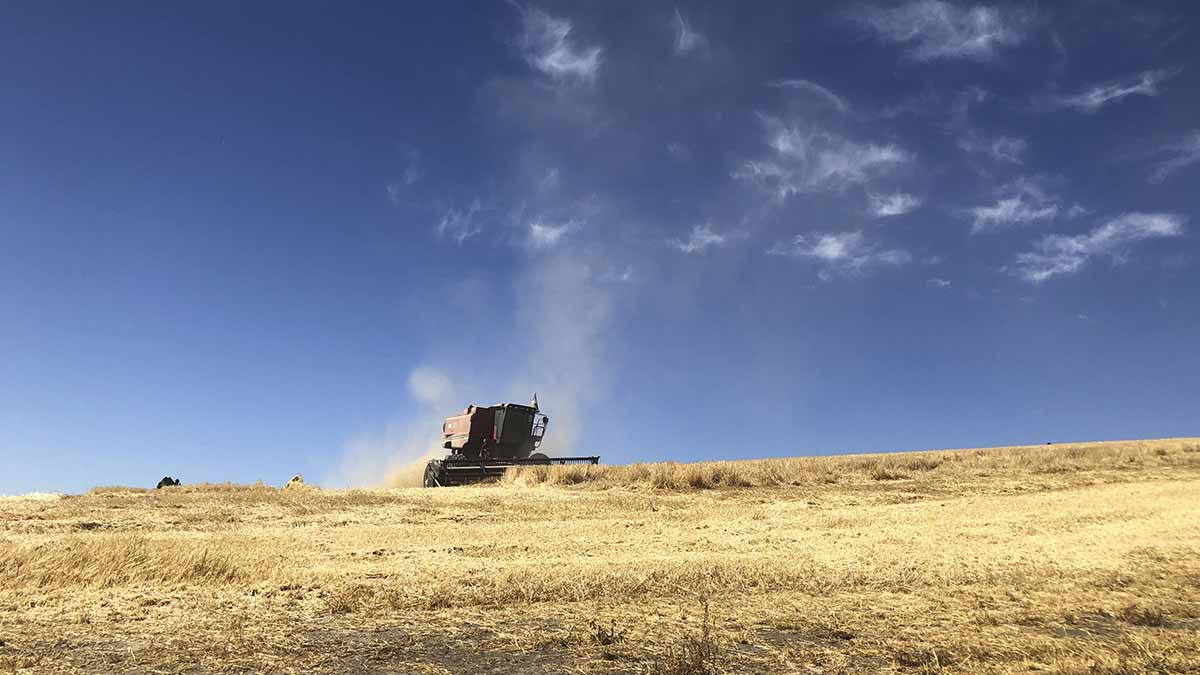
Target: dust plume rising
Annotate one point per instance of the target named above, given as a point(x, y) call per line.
point(396, 456)
point(410, 473)
point(568, 310)
point(563, 313)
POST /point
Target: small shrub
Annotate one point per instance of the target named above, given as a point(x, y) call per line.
point(694, 655)
point(607, 636)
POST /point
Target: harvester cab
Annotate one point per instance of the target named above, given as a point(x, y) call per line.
point(483, 441)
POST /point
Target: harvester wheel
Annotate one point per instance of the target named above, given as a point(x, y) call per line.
point(539, 458)
point(431, 476)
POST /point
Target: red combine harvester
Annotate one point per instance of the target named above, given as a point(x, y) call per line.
point(485, 440)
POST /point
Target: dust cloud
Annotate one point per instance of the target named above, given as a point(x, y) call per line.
point(564, 311)
point(568, 310)
point(396, 456)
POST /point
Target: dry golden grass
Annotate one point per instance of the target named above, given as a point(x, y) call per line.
point(1069, 559)
point(799, 471)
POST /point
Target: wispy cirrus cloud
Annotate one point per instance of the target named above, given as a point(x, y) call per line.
point(932, 29)
point(1097, 96)
point(461, 224)
point(805, 160)
point(617, 275)
point(549, 180)
point(1077, 211)
point(1178, 156)
point(547, 46)
point(895, 204)
point(412, 173)
point(938, 282)
point(808, 86)
point(395, 192)
point(678, 151)
point(840, 253)
point(1000, 148)
point(1060, 255)
point(543, 234)
point(686, 39)
point(1022, 202)
point(700, 239)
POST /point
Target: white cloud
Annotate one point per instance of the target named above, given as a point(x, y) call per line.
point(1097, 96)
point(546, 44)
point(701, 239)
point(938, 30)
point(1011, 211)
point(1024, 202)
point(1076, 211)
point(812, 160)
point(1001, 148)
point(815, 89)
point(937, 282)
point(1183, 154)
point(546, 235)
point(895, 204)
point(686, 39)
point(460, 225)
point(840, 253)
point(1058, 254)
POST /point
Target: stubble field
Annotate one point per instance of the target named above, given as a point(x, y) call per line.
point(1065, 559)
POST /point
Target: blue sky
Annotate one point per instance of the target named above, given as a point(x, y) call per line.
point(243, 240)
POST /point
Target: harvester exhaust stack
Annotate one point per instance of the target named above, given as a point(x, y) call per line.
point(484, 441)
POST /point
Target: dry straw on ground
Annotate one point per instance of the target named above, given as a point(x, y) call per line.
point(798, 471)
point(1072, 559)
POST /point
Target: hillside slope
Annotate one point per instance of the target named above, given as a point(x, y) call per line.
point(1081, 558)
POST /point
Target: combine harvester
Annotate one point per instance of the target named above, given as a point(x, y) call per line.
point(485, 440)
